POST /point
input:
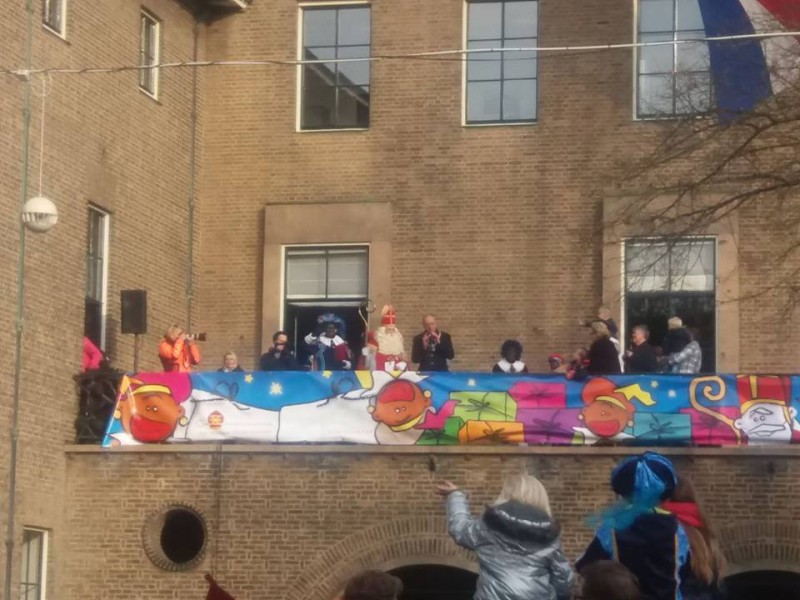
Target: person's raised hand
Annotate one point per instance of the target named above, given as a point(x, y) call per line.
point(445, 488)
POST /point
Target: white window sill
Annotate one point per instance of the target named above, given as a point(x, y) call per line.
point(479, 125)
point(298, 130)
point(59, 34)
point(151, 95)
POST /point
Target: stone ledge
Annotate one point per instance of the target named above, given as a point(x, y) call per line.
point(581, 451)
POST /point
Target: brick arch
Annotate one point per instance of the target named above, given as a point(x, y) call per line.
point(387, 546)
point(761, 545)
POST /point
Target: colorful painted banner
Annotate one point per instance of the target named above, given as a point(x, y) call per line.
point(434, 409)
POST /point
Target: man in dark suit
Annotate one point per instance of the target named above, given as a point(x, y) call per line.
point(432, 348)
point(641, 358)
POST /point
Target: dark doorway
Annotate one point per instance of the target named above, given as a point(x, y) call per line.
point(436, 582)
point(301, 320)
point(763, 585)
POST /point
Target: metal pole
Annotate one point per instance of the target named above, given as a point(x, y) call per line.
point(192, 175)
point(12, 460)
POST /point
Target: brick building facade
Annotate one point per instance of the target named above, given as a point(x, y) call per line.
point(496, 229)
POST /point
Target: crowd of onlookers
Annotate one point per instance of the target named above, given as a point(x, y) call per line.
point(655, 543)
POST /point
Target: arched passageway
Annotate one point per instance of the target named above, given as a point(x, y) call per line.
point(763, 585)
point(436, 582)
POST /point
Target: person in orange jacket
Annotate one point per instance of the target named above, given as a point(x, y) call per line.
point(177, 351)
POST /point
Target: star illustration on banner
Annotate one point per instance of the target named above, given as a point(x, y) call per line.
point(471, 383)
point(275, 389)
point(672, 394)
point(654, 384)
point(248, 378)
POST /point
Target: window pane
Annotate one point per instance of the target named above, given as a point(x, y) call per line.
point(483, 101)
point(357, 72)
point(485, 21)
point(353, 107)
point(319, 27)
point(656, 59)
point(693, 267)
point(656, 15)
point(485, 65)
point(646, 267)
point(354, 27)
point(305, 276)
point(32, 564)
point(519, 65)
point(519, 100)
point(347, 274)
point(520, 19)
point(655, 95)
point(694, 93)
point(689, 16)
point(693, 56)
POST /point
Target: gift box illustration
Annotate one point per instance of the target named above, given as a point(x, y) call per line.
point(484, 406)
point(549, 425)
point(492, 432)
point(662, 428)
point(446, 436)
point(535, 394)
point(716, 429)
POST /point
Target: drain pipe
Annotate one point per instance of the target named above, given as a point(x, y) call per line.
point(12, 460)
point(198, 19)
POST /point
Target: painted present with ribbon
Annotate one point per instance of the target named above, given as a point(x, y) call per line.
point(668, 429)
point(714, 429)
point(436, 420)
point(554, 426)
point(484, 406)
point(537, 394)
point(446, 436)
point(492, 432)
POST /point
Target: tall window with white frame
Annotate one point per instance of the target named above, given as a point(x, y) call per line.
point(335, 95)
point(149, 53)
point(324, 279)
point(673, 278)
point(96, 276)
point(54, 13)
point(34, 564)
point(673, 79)
point(501, 87)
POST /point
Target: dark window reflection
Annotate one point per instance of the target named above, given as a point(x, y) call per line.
point(502, 86)
point(336, 94)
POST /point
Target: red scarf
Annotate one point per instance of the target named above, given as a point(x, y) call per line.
point(687, 513)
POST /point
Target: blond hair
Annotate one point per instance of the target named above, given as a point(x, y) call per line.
point(173, 332)
point(600, 329)
point(525, 489)
point(674, 323)
point(230, 353)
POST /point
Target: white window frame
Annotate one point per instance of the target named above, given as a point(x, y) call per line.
point(623, 282)
point(62, 33)
point(146, 19)
point(298, 126)
point(45, 537)
point(287, 247)
point(105, 221)
point(464, 82)
point(635, 79)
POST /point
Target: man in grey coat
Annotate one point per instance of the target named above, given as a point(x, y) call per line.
point(516, 541)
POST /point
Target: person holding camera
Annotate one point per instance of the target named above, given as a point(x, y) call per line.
point(178, 352)
point(432, 348)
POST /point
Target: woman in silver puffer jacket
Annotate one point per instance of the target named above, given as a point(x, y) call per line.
point(516, 541)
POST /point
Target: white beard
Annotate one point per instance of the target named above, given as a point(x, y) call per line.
point(390, 341)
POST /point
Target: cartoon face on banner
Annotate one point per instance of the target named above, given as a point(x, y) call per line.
point(148, 412)
point(766, 414)
point(393, 408)
point(400, 404)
